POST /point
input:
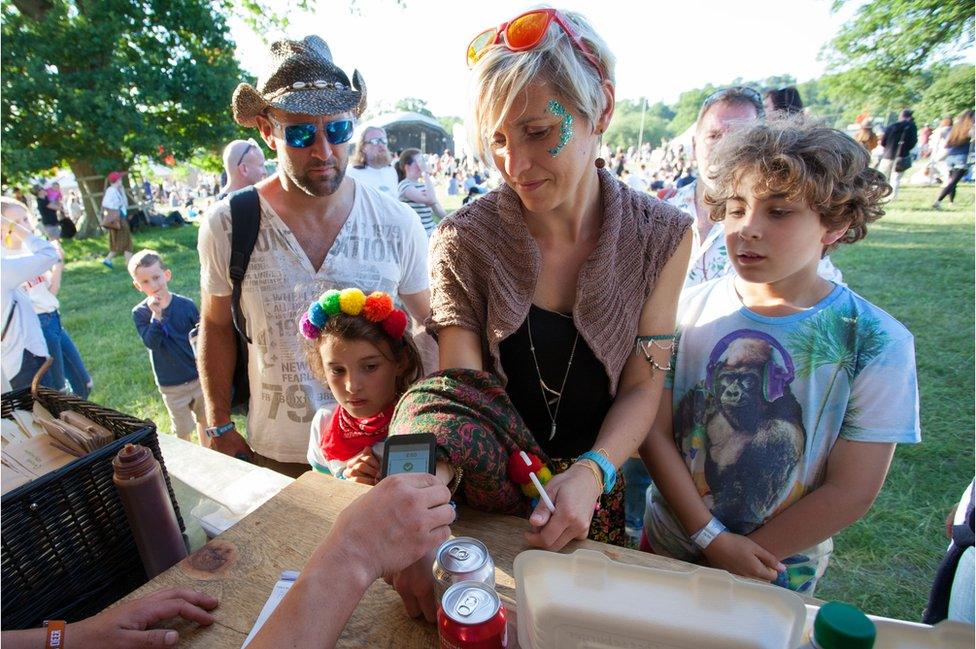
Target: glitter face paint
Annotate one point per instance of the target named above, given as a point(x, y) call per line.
point(565, 128)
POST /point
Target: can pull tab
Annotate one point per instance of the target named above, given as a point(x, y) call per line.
point(467, 605)
point(459, 553)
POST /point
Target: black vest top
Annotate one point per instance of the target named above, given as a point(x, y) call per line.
point(585, 398)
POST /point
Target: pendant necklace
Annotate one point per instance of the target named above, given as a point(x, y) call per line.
point(552, 398)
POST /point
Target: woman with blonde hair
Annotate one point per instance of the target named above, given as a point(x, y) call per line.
point(553, 297)
point(958, 146)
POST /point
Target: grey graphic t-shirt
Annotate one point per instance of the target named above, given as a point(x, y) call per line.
point(759, 402)
point(381, 247)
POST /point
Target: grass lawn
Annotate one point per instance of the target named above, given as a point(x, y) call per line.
point(916, 263)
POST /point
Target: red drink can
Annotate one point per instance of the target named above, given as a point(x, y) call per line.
point(472, 616)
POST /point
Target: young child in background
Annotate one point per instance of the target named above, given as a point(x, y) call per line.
point(788, 392)
point(54, 197)
point(164, 321)
point(357, 345)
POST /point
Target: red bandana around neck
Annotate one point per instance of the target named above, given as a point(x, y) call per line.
point(346, 436)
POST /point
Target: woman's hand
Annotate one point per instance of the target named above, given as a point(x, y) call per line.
point(742, 556)
point(574, 493)
point(364, 468)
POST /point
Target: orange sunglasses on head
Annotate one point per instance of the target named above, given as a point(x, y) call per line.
point(525, 32)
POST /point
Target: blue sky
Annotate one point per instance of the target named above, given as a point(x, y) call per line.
point(663, 47)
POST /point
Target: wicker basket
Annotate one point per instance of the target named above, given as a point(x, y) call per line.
point(67, 549)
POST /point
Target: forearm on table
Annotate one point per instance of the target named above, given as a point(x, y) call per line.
point(812, 519)
point(74, 636)
point(318, 605)
point(27, 639)
point(218, 354)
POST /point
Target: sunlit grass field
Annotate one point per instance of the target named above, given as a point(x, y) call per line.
point(916, 263)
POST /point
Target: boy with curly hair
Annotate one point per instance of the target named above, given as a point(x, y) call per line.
point(787, 392)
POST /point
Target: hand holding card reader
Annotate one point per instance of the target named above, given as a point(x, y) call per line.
point(414, 453)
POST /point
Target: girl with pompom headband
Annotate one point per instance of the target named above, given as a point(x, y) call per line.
point(371, 360)
point(377, 307)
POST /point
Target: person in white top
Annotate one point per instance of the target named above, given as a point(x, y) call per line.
point(43, 290)
point(371, 163)
point(115, 208)
point(636, 181)
point(318, 230)
point(24, 349)
point(720, 113)
point(244, 164)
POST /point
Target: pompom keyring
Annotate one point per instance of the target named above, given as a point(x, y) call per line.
point(376, 307)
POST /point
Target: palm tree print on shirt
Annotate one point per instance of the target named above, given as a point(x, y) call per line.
point(832, 337)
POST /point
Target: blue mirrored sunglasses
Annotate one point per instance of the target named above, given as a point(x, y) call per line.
point(302, 136)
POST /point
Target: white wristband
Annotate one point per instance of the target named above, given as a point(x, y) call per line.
point(704, 537)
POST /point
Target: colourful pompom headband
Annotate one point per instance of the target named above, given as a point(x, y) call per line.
point(376, 307)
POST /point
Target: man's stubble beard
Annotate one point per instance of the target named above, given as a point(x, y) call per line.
point(323, 187)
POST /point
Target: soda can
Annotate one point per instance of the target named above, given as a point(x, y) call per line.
point(472, 616)
point(462, 559)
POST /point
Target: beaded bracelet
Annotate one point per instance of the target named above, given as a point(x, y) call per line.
point(456, 481)
point(645, 345)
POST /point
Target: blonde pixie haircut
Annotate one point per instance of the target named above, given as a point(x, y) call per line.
point(501, 75)
point(801, 159)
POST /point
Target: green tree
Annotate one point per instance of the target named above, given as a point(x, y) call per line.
point(92, 85)
point(686, 110)
point(625, 128)
point(882, 58)
point(449, 121)
point(414, 105)
point(775, 82)
point(951, 92)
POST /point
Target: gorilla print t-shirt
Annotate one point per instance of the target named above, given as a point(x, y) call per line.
point(758, 403)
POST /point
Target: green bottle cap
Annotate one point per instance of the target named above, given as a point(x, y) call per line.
point(842, 626)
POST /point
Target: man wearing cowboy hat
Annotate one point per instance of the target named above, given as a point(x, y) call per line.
point(318, 230)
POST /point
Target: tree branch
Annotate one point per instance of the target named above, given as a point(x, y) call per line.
point(33, 9)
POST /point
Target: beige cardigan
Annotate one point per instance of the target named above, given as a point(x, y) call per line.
point(484, 266)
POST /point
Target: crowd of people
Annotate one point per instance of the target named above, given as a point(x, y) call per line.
point(563, 313)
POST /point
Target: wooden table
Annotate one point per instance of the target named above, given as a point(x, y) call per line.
point(241, 566)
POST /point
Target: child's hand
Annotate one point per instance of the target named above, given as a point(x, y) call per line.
point(155, 307)
point(742, 556)
point(363, 468)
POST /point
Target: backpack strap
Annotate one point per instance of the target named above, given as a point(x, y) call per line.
point(10, 317)
point(245, 217)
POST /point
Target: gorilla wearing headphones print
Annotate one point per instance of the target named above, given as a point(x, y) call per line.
point(753, 427)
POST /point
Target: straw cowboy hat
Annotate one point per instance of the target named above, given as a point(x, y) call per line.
point(301, 79)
